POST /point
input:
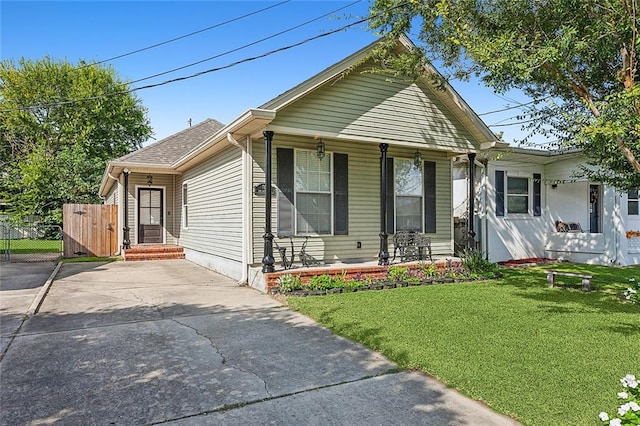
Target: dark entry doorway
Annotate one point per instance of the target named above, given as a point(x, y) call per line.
point(150, 216)
point(595, 195)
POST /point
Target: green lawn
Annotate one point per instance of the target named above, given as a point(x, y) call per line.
point(26, 246)
point(544, 356)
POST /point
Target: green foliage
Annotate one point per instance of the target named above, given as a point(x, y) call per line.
point(513, 343)
point(289, 282)
point(430, 270)
point(320, 282)
point(53, 150)
point(476, 262)
point(577, 59)
point(398, 273)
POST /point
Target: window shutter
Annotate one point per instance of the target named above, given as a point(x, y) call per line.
point(390, 197)
point(499, 193)
point(429, 196)
point(286, 208)
point(340, 194)
point(537, 194)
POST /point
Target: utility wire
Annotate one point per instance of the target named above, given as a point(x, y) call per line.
point(246, 45)
point(520, 105)
point(187, 35)
point(188, 77)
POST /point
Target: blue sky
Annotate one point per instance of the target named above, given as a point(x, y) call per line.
point(98, 30)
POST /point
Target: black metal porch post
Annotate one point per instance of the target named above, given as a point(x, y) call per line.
point(267, 260)
point(383, 256)
point(126, 240)
point(472, 199)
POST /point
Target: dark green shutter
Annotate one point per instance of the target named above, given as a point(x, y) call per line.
point(537, 194)
point(499, 193)
point(430, 196)
point(391, 219)
point(286, 207)
point(340, 194)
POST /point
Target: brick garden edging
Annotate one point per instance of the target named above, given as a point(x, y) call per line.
point(351, 272)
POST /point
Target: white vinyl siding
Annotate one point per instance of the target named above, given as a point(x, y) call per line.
point(185, 206)
point(214, 206)
point(364, 200)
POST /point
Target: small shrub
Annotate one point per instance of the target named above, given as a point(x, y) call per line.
point(429, 271)
point(351, 285)
point(320, 282)
point(289, 282)
point(628, 412)
point(398, 273)
point(476, 263)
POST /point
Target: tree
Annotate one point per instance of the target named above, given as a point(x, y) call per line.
point(578, 59)
point(59, 125)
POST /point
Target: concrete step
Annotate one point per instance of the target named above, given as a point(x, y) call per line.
point(156, 252)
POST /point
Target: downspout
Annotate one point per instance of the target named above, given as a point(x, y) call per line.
point(484, 247)
point(245, 195)
point(173, 206)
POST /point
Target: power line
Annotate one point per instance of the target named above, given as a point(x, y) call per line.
point(187, 35)
point(246, 45)
point(188, 77)
point(520, 105)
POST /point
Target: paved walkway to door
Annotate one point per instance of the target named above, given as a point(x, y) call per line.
point(170, 342)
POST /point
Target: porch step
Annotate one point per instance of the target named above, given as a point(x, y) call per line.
point(153, 252)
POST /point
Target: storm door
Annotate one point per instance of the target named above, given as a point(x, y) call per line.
point(150, 216)
point(595, 197)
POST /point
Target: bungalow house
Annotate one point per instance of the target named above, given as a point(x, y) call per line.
point(339, 162)
point(532, 204)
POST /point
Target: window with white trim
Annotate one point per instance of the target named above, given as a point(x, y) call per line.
point(408, 182)
point(517, 195)
point(313, 193)
point(185, 209)
point(633, 209)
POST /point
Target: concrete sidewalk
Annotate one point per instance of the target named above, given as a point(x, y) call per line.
point(170, 342)
point(20, 284)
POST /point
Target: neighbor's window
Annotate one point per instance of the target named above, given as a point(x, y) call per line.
point(632, 202)
point(185, 209)
point(517, 195)
point(313, 193)
point(408, 182)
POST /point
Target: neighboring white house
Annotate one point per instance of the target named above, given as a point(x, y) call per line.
point(344, 159)
point(531, 204)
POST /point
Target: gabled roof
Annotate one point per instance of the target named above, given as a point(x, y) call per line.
point(170, 149)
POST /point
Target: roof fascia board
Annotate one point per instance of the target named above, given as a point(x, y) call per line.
point(250, 116)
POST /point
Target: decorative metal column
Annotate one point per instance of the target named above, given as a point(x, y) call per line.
point(472, 199)
point(126, 241)
point(267, 260)
point(383, 256)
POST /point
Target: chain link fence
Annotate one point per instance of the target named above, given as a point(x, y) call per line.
point(30, 243)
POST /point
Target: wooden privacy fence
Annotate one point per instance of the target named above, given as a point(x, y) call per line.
point(90, 230)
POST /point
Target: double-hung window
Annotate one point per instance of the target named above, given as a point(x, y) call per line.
point(408, 183)
point(633, 209)
point(518, 195)
point(313, 198)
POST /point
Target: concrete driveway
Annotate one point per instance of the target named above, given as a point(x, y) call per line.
point(170, 342)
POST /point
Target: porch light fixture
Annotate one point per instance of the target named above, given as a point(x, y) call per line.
point(320, 149)
point(149, 180)
point(417, 159)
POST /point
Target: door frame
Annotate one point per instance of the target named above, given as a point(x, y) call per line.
point(164, 210)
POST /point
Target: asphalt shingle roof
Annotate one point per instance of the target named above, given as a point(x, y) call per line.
point(170, 149)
